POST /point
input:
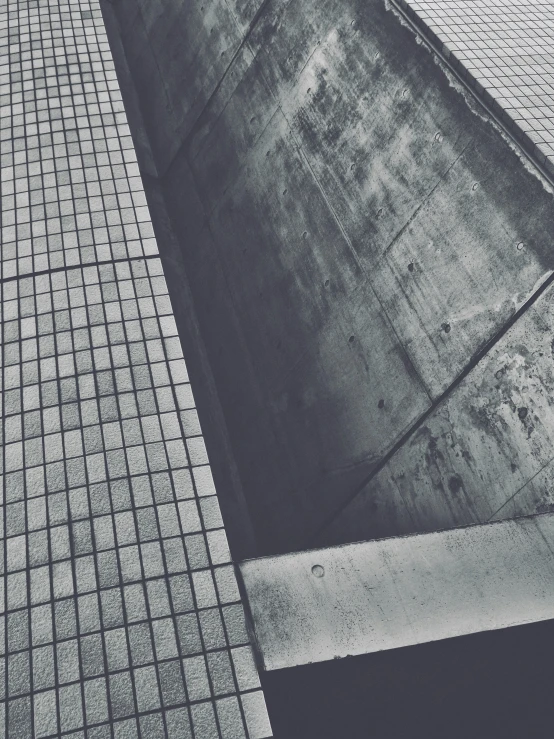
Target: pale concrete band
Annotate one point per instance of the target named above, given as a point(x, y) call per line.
point(371, 596)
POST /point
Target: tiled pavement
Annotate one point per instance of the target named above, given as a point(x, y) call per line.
point(504, 49)
point(119, 610)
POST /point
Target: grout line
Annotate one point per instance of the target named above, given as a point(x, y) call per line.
point(55, 270)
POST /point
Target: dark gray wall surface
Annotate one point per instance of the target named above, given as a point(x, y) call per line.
point(354, 235)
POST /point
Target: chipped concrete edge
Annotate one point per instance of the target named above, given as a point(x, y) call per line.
point(474, 101)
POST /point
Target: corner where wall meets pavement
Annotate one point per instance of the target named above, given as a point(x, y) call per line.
point(366, 259)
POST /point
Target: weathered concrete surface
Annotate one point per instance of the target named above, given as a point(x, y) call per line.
point(325, 604)
point(486, 453)
point(353, 234)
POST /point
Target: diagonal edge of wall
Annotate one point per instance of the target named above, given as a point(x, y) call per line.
point(295, 113)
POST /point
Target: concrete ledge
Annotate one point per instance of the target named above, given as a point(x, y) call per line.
point(361, 598)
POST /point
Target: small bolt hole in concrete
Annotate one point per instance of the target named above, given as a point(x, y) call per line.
point(318, 571)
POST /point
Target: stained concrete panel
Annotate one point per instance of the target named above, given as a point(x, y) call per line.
point(394, 193)
point(280, 265)
point(485, 453)
point(342, 289)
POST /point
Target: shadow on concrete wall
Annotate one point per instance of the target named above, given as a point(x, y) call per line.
point(352, 251)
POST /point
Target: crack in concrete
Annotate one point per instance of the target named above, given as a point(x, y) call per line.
point(425, 200)
point(474, 361)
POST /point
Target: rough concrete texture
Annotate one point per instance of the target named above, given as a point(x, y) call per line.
point(371, 596)
point(354, 235)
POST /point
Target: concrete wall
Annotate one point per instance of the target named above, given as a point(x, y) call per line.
point(355, 236)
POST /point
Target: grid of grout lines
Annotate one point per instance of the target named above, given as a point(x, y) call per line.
point(504, 49)
point(119, 610)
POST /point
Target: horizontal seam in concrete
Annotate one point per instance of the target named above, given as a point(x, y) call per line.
point(43, 272)
point(477, 357)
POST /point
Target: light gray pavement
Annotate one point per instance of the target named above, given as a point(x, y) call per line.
point(119, 609)
point(505, 51)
